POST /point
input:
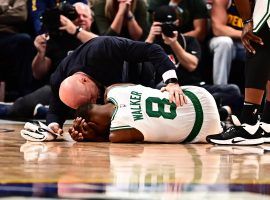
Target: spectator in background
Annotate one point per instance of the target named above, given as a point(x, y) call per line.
point(60, 43)
point(226, 44)
point(125, 18)
point(194, 12)
point(185, 53)
point(16, 48)
point(37, 8)
point(50, 51)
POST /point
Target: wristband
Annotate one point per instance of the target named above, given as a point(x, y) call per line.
point(129, 17)
point(78, 29)
point(170, 74)
point(247, 21)
point(171, 80)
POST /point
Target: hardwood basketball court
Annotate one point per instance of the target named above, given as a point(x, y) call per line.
point(66, 169)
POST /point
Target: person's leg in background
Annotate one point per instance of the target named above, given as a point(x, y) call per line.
point(249, 131)
point(223, 53)
point(240, 51)
point(266, 111)
point(265, 117)
point(226, 95)
point(257, 75)
point(26, 52)
point(24, 106)
point(16, 52)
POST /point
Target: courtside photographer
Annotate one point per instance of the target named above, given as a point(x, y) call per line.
point(185, 52)
point(53, 46)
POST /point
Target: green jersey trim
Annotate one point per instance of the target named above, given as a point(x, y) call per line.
point(198, 116)
point(120, 128)
point(116, 106)
point(265, 17)
point(111, 99)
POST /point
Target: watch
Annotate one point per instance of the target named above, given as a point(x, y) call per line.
point(78, 29)
point(247, 21)
point(129, 17)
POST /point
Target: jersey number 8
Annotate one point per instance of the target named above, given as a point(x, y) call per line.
point(161, 103)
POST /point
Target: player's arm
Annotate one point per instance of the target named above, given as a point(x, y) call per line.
point(82, 131)
point(126, 136)
point(244, 9)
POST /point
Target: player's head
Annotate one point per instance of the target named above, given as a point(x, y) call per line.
point(78, 89)
point(95, 117)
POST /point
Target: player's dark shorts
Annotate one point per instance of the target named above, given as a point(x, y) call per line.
point(258, 65)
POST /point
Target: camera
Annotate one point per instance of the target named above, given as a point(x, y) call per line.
point(168, 28)
point(51, 17)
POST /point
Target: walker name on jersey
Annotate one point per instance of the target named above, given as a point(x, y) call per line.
point(135, 105)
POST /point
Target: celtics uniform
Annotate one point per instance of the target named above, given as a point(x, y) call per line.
point(150, 111)
point(261, 14)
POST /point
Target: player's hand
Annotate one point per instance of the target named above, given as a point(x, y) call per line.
point(41, 43)
point(76, 131)
point(248, 35)
point(75, 135)
point(81, 130)
point(56, 128)
point(67, 25)
point(176, 94)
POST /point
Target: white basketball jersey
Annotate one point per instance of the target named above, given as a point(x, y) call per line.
point(150, 111)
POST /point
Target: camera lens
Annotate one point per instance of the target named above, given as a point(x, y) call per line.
point(168, 28)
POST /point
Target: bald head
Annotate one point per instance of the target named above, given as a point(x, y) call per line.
point(78, 89)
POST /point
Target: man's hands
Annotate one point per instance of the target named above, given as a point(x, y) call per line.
point(176, 94)
point(41, 43)
point(170, 40)
point(154, 31)
point(248, 35)
point(124, 6)
point(56, 128)
point(67, 25)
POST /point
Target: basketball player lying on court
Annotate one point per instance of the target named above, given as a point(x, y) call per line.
point(134, 113)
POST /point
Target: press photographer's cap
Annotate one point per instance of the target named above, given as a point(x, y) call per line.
point(165, 14)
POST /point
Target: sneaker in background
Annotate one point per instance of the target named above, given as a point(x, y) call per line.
point(40, 111)
point(4, 109)
point(238, 134)
point(224, 112)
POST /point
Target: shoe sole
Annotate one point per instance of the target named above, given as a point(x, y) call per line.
point(266, 140)
point(239, 142)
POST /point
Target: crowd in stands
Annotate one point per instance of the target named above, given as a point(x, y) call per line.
point(201, 37)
